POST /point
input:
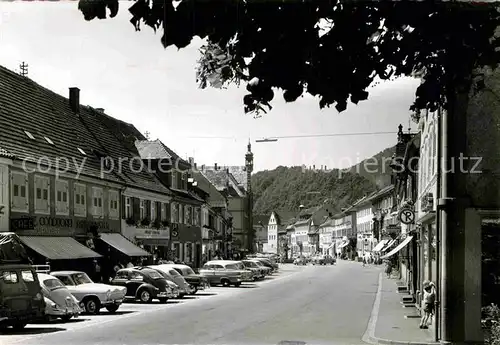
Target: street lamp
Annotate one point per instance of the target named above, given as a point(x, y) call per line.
point(266, 140)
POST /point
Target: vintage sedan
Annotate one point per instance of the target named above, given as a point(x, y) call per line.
point(59, 302)
point(226, 273)
point(143, 283)
point(176, 277)
point(267, 270)
point(92, 296)
point(196, 281)
point(258, 272)
point(323, 260)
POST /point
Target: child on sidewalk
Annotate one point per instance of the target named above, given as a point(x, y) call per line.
point(427, 303)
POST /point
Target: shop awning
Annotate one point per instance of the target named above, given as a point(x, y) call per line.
point(380, 245)
point(58, 248)
point(343, 244)
point(123, 245)
point(398, 248)
point(388, 245)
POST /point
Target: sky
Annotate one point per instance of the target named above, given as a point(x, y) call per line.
point(135, 79)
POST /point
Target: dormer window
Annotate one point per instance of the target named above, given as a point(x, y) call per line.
point(48, 140)
point(29, 135)
point(81, 151)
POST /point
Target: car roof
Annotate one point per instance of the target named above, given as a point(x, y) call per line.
point(175, 265)
point(45, 276)
point(221, 262)
point(65, 272)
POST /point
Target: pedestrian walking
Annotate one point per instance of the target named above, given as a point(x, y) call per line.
point(388, 269)
point(427, 304)
point(364, 261)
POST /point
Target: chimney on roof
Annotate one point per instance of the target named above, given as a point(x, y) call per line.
point(203, 167)
point(100, 110)
point(215, 166)
point(74, 99)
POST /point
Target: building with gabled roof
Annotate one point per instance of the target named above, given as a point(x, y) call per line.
point(238, 201)
point(58, 178)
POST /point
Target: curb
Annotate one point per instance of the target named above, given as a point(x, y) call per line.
point(369, 336)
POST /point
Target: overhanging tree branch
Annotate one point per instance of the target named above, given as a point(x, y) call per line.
point(281, 45)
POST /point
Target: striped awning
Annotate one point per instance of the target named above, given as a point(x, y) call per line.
point(380, 245)
point(398, 248)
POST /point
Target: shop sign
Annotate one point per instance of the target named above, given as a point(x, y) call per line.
point(37, 223)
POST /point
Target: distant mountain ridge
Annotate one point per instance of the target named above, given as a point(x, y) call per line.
point(286, 188)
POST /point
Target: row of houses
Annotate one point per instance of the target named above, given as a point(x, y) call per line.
point(78, 184)
point(396, 222)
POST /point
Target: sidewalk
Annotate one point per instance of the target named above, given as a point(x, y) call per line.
point(391, 323)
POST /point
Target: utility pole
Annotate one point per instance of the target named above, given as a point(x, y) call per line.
point(23, 69)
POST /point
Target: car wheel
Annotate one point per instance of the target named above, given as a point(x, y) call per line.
point(66, 318)
point(145, 296)
point(195, 290)
point(92, 305)
point(237, 284)
point(225, 282)
point(163, 300)
point(18, 326)
point(112, 308)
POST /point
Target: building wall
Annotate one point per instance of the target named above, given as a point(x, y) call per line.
point(236, 206)
point(325, 239)
point(364, 226)
point(64, 221)
point(4, 194)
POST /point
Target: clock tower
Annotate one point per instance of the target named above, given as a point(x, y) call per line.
point(249, 169)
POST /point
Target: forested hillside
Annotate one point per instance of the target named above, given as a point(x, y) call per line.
point(376, 168)
point(288, 188)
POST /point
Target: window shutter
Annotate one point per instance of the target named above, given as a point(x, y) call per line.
point(158, 210)
point(136, 213)
point(123, 207)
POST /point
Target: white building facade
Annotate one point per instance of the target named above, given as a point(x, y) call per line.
point(364, 226)
point(272, 234)
point(326, 243)
point(427, 194)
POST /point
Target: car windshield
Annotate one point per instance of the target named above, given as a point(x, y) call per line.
point(187, 271)
point(53, 284)
point(81, 278)
point(173, 273)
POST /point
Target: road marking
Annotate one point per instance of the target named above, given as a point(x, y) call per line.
point(372, 323)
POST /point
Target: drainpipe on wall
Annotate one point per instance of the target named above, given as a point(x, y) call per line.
point(437, 310)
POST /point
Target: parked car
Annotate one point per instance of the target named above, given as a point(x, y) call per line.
point(258, 271)
point(268, 263)
point(196, 281)
point(143, 283)
point(323, 260)
point(300, 261)
point(21, 296)
point(226, 272)
point(92, 296)
point(267, 270)
point(176, 277)
point(59, 301)
point(174, 288)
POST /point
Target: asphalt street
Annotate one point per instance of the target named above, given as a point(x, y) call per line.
point(302, 305)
